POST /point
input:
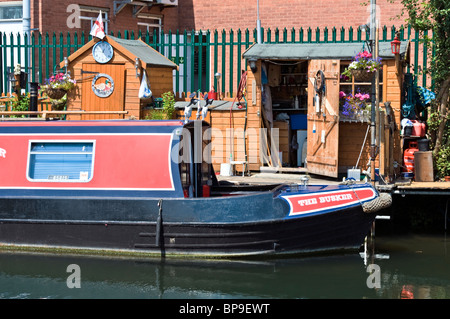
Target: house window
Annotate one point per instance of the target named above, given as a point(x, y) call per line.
point(11, 10)
point(88, 16)
point(61, 161)
point(152, 24)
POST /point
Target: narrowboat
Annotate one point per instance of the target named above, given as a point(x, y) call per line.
point(148, 188)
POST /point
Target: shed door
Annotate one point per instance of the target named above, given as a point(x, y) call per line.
point(323, 122)
point(103, 90)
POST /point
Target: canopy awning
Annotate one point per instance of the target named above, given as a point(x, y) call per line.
point(309, 51)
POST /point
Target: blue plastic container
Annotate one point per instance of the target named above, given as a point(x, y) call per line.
point(299, 121)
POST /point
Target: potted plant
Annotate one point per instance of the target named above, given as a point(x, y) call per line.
point(354, 106)
point(58, 85)
point(362, 67)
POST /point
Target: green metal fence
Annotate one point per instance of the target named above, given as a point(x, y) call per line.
point(200, 54)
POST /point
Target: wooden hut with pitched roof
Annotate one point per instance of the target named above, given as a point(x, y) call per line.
point(109, 74)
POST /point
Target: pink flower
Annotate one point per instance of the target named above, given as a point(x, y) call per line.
point(341, 94)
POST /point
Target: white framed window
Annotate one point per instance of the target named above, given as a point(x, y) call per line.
point(11, 11)
point(60, 161)
point(150, 23)
point(88, 16)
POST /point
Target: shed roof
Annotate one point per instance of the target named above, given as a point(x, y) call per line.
point(308, 51)
point(132, 48)
point(144, 52)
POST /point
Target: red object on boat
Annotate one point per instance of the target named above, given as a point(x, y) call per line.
point(408, 156)
point(206, 192)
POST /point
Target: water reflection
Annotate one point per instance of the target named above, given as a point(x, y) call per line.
point(416, 267)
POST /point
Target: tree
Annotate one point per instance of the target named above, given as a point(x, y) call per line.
point(434, 15)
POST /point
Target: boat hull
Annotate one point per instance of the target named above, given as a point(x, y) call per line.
point(336, 230)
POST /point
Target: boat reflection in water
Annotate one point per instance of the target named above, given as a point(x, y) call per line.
point(410, 267)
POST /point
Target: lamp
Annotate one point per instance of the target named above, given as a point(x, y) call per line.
point(252, 64)
point(217, 75)
point(395, 45)
point(12, 79)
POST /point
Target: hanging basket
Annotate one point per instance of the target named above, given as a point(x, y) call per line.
point(362, 75)
point(58, 105)
point(55, 94)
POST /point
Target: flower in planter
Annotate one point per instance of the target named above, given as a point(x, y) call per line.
point(351, 105)
point(363, 61)
point(59, 81)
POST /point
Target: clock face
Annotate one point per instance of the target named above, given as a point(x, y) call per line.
point(102, 52)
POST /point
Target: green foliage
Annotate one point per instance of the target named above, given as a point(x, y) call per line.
point(168, 104)
point(20, 103)
point(168, 108)
point(434, 15)
point(443, 161)
point(156, 115)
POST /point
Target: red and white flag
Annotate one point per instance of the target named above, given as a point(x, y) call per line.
point(98, 30)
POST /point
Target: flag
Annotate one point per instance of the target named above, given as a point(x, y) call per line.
point(98, 30)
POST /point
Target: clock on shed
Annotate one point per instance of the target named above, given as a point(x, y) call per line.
point(102, 52)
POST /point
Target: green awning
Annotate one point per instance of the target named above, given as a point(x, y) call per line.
point(309, 51)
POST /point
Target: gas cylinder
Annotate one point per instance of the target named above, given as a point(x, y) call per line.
point(408, 156)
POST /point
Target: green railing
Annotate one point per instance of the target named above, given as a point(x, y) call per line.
point(200, 54)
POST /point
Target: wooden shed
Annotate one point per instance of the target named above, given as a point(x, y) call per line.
point(281, 94)
point(109, 74)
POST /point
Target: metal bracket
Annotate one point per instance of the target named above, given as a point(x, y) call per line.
point(119, 5)
point(138, 6)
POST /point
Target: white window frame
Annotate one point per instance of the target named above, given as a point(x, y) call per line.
point(31, 142)
point(96, 11)
point(12, 4)
point(156, 17)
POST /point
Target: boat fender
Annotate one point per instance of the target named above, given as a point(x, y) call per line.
point(159, 225)
point(377, 204)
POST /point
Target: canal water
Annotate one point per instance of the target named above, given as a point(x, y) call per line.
point(392, 267)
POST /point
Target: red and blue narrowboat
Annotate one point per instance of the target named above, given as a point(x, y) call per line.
point(147, 188)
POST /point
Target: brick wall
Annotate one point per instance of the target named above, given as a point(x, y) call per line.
point(232, 14)
point(51, 16)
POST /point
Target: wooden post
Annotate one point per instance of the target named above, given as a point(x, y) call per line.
point(382, 154)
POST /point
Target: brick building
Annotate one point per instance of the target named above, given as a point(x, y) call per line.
point(68, 15)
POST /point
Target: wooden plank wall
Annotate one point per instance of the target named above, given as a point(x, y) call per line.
point(221, 123)
point(131, 86)
point(393, 93)
point(350, 143)
point(352, 134)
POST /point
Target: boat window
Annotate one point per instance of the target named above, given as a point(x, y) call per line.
point(61, 161)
